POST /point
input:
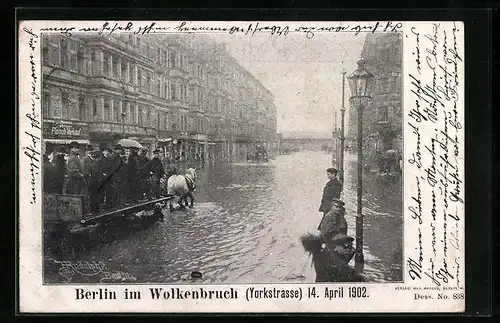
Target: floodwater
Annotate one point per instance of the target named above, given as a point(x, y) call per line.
point(246, 223)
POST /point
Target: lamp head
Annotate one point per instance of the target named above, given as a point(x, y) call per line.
point(361, 81)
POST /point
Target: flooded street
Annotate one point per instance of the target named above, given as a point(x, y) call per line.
point(246, 224)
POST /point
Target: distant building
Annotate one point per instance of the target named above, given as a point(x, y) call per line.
point(178, 92)
point(382, 119)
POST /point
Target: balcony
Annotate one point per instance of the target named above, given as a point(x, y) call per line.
point(177, 72)
point(50, 72)
point(111, 127)
point(101, 81)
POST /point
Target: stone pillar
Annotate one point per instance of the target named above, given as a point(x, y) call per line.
point(134, 80)
point(100, 62)
point(127, 71)
point(110, 67)
point(119, 67)
point(100, 106)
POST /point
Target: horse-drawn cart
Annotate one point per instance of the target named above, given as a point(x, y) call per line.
point(68, 224)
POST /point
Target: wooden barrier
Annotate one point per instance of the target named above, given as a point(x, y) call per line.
point(128, 209)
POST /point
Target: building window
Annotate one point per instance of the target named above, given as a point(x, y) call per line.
point(94, 108)
point(45, 50)
point(81, 60)
point(124, 71)
point(65, 104)
point(173, 91)
point(140, 116)
point(116, 111)
point(64, 52)
point(158, 88)
point(82, 113)
point(139, 79)
point(383, 114)
point(46, 105)
point(148, 83)
point(172, 60)
point(131, 79)
point(183, 92)
point(107, 113)
point(166, 121)
point(73, 56)
point(105, 65)
point(150, 117)
point(132, 113)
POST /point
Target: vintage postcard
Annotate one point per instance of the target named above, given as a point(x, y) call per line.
point(208, 166)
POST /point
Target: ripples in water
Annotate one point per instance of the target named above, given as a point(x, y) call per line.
point(245, 228)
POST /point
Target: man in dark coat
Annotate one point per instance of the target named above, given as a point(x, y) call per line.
point(114, 177)
point(157, 172)
point(87, 175)
point(95, 194)
point(332, 190)
point(144, 165)
point(49, 172)
point(76, 180)
point(331, 253)
point(104, 188)
point(132, 176)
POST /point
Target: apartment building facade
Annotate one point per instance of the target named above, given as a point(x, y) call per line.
point(181, 92)
point(382, 118)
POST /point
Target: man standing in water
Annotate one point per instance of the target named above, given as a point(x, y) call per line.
point(331, 191)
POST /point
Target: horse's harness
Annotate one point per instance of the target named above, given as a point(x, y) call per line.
point(190, 182)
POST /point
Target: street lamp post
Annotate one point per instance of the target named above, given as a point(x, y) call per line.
point(123, 124)
point(360, 83)
point(342, 131)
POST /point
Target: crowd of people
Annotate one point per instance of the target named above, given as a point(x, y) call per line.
point(332, 249)
point(107, 178)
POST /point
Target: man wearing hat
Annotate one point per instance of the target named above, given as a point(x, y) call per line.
point(331, 252)
point(76, 180)
point(86, 166)
point(332, 190)
point(335, 217)
point(144, 165)
point(157, 173)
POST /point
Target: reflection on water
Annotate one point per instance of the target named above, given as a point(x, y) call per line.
point(246, 225)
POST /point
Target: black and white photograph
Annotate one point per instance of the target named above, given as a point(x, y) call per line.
point(241, 166)
point(211, 158)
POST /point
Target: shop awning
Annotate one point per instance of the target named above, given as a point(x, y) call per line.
point(66, 141)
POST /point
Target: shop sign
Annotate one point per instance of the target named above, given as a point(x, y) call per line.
point(65, 131)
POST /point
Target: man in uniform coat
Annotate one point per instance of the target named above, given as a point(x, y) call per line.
point(76, 180)
point(132, 176)
point(144, 165)
point(331, 191)
point(104, 188)
point(157, 171)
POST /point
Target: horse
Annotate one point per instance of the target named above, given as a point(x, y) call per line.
point(183, 187)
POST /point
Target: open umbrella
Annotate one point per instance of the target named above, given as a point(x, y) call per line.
point(391, 152)
point(130, 143)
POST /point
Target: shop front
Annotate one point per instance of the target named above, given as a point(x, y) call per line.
point(59, 134)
